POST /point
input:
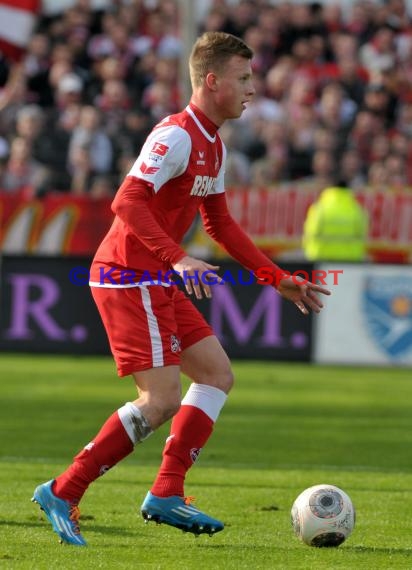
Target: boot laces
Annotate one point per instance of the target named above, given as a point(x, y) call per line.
point(189, 500)
point(74, 516)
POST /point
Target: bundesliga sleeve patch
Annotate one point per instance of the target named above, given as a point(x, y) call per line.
point(164, 156)
point(153, 159)
point(157, 153)
point(159, 149)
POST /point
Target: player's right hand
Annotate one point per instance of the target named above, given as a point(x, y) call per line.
point(198, 276)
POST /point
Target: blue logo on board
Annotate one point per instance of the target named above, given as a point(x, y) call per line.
point(388, 313)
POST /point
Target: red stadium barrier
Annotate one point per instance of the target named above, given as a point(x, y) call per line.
point(63, 224)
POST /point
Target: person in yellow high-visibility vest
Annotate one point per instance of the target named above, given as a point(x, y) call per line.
point(335, 227)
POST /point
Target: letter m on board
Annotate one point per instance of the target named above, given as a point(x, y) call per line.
point(226, 317)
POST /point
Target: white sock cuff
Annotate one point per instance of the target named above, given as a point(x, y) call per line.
point(207, 398)
point(134, 422)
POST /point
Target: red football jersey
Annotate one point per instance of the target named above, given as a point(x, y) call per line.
point(179, 171)
point(180, 164)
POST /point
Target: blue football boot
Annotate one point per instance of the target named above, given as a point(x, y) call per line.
point(178, 512)
point(63, 515)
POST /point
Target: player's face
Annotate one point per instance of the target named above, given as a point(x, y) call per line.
point(234, 88)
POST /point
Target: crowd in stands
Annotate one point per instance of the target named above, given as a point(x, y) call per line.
point(333, 95)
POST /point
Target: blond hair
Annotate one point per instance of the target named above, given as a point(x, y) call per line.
point(211, 53)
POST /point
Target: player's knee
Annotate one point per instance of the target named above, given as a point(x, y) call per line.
point(227, 380)
point(224, 375)
point(221, 377)
point(171, 408)
point(167, 405)
point(160, 405)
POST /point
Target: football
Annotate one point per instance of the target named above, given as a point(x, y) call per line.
point(323, 516)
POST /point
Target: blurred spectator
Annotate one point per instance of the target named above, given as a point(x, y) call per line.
point(242, 17)
point(333, 87)
point(29, 123)
point(163, 96)
point(351, 170)
point(116, 41)
point(301, 24)
point(51, 146)
point(159, 35)
point(398, 17)
point(404, 120)
point(36, 65)
point(332, 17)
point(81, 170)
point(377, 101)
point(216, 20)
point(326, 139)
point(302, 94)
point(46, 146)
point(104, 69)
point(395, 166)
point(237, 172)
point(301, 138)
point(262, 107)
point(72, 30)
point(351, 79)
point(13, 97)
point(114, 103)
point(21, 171)
point(275, 136)
point(268, 24)
point(366, 127)
point(379, 147)
point(359, 22)
point(335, 110)
point(401, 145)
point(377, 178)
point(300, 110)
point(132, 133)
point(345, 46)
point(380, 52)
point(142, 75)
point(124, 165)
point(263, 49)
point(89, 134)
point(323, 171)
point(279, 79)
point(69, 90)
point(267, 173)
point(62, 63)
point(102, 187)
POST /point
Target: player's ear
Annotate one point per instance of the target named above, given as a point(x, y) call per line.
point(211, 81)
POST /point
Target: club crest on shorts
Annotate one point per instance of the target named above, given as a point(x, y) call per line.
point(387, 309)
point(174, 343)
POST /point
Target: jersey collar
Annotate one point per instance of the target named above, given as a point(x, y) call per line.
point(208, 128)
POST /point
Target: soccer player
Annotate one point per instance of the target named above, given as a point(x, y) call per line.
point(155, 331)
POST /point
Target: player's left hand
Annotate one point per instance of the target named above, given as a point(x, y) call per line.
point(303, 293)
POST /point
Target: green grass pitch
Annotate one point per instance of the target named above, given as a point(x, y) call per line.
point(285, 427)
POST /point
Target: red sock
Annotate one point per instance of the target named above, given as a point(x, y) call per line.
point(109, 446)
point(190, 430)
